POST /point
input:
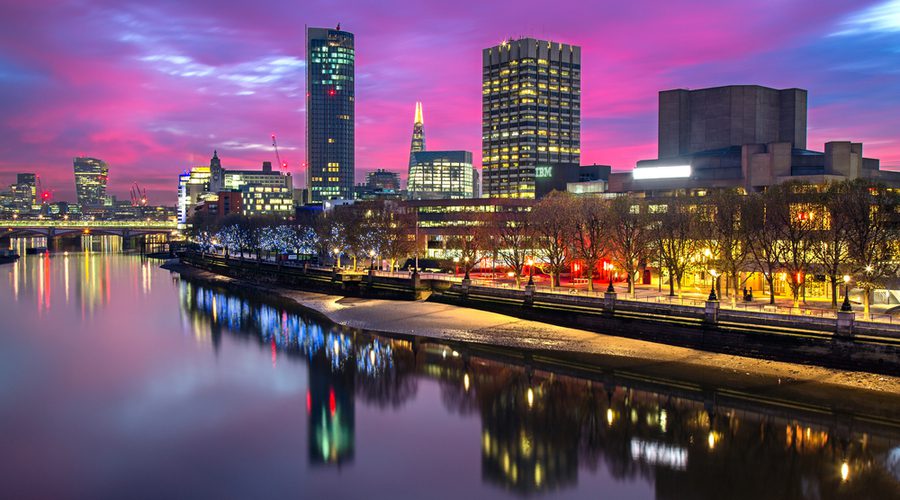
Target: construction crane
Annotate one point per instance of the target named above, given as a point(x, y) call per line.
point(138, 195)
point(283, 164)
point(43, 196)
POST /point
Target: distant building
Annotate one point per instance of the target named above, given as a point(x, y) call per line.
point(531, 113)
point(330, 94)
point(418, 136)
point(91, 176)
point(383, 179)
point(24, 195)
point(740, 136)
point(476, 183)
point(221, 205)
point(380, 185)
point(558, 177)
point(263, 192)
point(193, 186)
point(436, 175)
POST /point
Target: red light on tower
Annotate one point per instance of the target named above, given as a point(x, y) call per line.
point(331, 92)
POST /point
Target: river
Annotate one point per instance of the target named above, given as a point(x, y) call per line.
point(122, 380)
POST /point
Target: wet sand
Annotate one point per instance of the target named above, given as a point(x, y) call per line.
point(454, 323)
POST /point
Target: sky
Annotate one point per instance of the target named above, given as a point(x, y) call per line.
point(154, 87)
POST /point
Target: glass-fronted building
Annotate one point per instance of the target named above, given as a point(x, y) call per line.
point(531, 113)
point(440, 175)
point(330, 98)
point(193, 186)
point(91, 176)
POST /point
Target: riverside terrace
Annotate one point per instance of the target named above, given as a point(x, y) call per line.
point(840, 341)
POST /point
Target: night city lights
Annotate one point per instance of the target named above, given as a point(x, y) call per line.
point(638, 250)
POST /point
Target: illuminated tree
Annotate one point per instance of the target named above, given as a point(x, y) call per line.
point(675, 236)
point(630, 234)
point(831, 242)
point(553, 219)
point(796, 218)
point(762, 233)
point(514, 236)
point(722, 227)
point(589, 243)
point(872, 212)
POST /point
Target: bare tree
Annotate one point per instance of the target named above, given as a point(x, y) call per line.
point(553, 219)
point(514, 238)
point(589, 242)
point(831, 241)
point(762, 235)
point(872, 212)
point(796, 219)
point(630, 234)
point(722, 226)
point(675, 235)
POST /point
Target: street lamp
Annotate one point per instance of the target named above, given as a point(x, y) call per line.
point(530, 272)
point(337, 257)
point(467, 267)
point(845, 306)
point(712, 287)
point(611, 288)
point(372, 259)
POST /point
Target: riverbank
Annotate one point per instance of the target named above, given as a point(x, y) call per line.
point(829, 387)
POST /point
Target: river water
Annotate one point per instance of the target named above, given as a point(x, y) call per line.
point(121, 380)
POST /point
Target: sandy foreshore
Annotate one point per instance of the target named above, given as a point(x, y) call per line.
point(454, 323)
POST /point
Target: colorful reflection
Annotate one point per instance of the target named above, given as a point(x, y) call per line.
point(541, 429)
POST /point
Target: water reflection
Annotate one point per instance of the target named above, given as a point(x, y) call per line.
point(541, 429)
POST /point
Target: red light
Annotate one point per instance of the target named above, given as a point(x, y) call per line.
point(308, 403)
point(331, 92)
point(332, 405)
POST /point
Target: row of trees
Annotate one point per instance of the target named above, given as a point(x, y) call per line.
point(848, 228)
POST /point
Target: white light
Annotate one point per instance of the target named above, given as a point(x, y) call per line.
point(671, 172)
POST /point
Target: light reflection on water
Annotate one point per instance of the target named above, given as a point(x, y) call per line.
point(256, 400)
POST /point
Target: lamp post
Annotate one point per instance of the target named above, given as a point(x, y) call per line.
point(611, 288)
point(372, 259)
point(712, 287)
point(845, 306)
point(466, 264)
point(530, 272)
point(337, 258)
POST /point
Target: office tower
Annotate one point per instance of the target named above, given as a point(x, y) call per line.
point(383, 180)
point(193, 187)
point(91, 175)
point(329, 113)
point(418, 135)
point(531, 113)
point(438, 175)
point(691, 121)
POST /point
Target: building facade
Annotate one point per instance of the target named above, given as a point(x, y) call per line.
point(91, 176)
point(330, 94)
point(740, 137)
point(531, 113)
point(193, 187)
point(438, 175)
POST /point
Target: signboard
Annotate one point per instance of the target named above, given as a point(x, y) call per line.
point(543, 172)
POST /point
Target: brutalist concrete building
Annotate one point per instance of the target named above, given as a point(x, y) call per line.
point(740, 136)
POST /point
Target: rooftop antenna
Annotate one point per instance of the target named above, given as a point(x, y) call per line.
point(339, 27)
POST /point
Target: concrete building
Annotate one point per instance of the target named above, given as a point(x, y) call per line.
point(743, 136)
point(193, 187)
point(91, 176)
point(221, 205)
point(531, 113)
point(330, 94)
point(380, 184)
point(558, 177)
point(437, 175)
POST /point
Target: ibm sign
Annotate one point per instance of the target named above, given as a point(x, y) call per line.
point(543, 172)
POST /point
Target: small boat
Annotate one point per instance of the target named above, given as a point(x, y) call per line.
point(8, 256)
point(35, 250)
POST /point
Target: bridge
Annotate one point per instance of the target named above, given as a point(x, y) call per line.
point(50, 228)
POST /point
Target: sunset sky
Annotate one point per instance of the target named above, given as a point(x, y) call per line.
point(154, 87)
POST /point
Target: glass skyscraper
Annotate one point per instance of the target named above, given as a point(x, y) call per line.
point(531, 113)
point(330, 115)
point(418, 137)
point(91, 175)
point(439, 175)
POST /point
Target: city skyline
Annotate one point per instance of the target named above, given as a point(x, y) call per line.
point(225, 77)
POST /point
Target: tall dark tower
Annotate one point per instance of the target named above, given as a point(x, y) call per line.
point(330, 114)
point(216, 174)
point(418, 136)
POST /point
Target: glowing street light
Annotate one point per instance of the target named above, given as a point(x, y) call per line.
point(845, 306)
point(712, 287)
